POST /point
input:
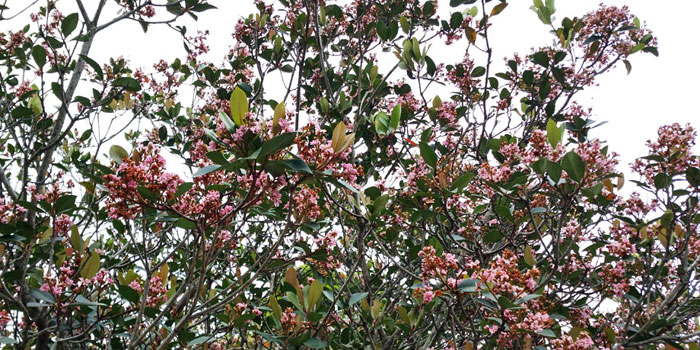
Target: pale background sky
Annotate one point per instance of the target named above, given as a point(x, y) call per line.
point(658, 91)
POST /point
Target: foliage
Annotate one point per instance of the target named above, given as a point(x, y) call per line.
point(341, 187)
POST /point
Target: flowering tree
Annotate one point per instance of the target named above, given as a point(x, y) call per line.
point(338, 186)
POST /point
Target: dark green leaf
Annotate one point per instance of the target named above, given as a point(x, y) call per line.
point(277, 143)
point(39, 55)
point(554, 171)
point(462, 181)
point(128, 83)
point(206, 170)
point(186, 224)
point(429, 156)
point(147, 194)
point(541, 58)
point(478, 71)
point(184, 187)
point(493, 236)
point(456, 20)
point(574, 166)
point(661, 181)
point(692, 175)
point(69, 24)
point(96, 67)
point(217, 158)
point(64, 203)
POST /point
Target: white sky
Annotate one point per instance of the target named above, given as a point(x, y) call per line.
point(658, 91)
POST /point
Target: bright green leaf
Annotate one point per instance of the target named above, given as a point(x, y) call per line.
point(239, 105)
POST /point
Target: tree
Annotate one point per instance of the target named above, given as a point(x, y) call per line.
point(341, 188)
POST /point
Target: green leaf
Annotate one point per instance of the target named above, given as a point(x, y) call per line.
point(297, 165)
point(462, 181)
point(381, 123)
point(147, 194)
point(186, 224)
point(435, 243)
point(356, 297)
point(69, 24)
point(610, 334)
point(43, 296)
point(507, 304)
point(545, 15)
point(91, 266)
point(661, 181)
point(292, 298)
point(83, 301)
point(379, 204)
point(199, 340)
point(212, 135)
point(692, 175)
point(206, 170)
point(239, 105)
point(527, 298)
point(574, 166)
point(8, 340)
point(275, 306)
point(75, 240)
point(547, 333)
point(541, 58)
point(382, 30)
point(493, 236)
point(279, 167)
point(430, 66)
point(118, 153)
point(395, 117)
point(128, 83)
point(315, 343)
point(529, 256)
point(554, 171)
point(553, 135)
point(467, 286)
point(217, 157)
point(478, 71)
point(276, 144)
point(314, 294)
point(405, 26)
point(184, 187)
point(64, 203)
point(39, 55)
point(456, 20)
point(35, 104)
point(429, 156)
point(228, 123)
point(628, 66)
